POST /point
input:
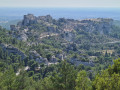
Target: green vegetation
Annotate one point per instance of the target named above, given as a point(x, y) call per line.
point(63, 77)
point(76, 60)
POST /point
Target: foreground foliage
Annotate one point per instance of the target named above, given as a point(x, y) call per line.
point(65, 78)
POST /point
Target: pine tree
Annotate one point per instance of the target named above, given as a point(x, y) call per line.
point(82, 81)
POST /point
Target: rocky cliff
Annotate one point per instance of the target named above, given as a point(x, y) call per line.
point(44, 26)
point(64, 24)
point(12, 50)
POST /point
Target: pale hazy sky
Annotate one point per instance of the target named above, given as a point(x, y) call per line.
point(59, 3)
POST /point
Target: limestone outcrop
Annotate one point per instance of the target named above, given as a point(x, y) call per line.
point(10, 49)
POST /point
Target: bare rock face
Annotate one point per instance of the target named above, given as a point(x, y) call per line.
point(14, 28)
point(10, 49)
point(100, 24)
point(46, 18)
point(37, 57)
point(29, 19)
point(23, 37)
point(53, 59)
point(34, 54)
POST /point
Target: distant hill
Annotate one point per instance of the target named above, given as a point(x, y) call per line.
point(6, 23)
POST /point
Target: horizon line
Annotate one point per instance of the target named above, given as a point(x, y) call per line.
point(55, 7)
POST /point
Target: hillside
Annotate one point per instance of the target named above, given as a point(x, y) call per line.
point(47, 54)
point(68, 36)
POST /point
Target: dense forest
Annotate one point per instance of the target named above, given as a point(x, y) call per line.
point(62, 76)
point(41, 53)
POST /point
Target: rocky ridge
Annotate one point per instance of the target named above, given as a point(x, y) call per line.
point(33, 29)
point(30, 23)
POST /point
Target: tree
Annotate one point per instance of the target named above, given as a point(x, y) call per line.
point(106, 54)
point(108, 79)
point(115, 68)
point(32, 64)
point(1, 53)
point(64, 79)
point(23, 82)
point(7, 81)
point(82, 81)
point(46, 84)
point(104, 81)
